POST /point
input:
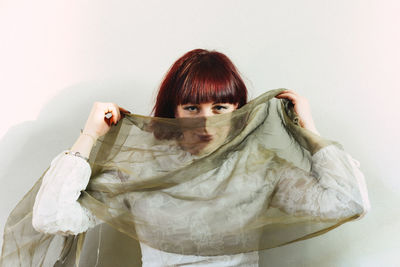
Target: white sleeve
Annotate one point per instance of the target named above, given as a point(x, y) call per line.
point(56, 209)
point(335, 187)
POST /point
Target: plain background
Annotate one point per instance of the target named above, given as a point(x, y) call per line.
point(58, 57)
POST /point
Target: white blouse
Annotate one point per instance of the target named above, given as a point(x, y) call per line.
point(57, 211)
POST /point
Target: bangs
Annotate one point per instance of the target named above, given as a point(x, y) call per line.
point(208, 82)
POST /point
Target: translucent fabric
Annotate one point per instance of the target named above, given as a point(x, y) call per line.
point(159, 181)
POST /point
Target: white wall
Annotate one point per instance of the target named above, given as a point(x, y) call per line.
point(58, 57)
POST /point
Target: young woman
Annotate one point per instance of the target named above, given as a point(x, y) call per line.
point(199, 84)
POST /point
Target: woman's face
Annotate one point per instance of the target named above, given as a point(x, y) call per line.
point(205, 138)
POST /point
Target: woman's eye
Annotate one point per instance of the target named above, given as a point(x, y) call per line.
point(220, 107)
point(190, 108)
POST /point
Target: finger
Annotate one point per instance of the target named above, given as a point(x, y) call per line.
point(285, 93)
point(290, 91)
point(107, 112)
point(111, 108)
point(289, 96)
point(124, 110)
point(118, 117)
point(107, 121)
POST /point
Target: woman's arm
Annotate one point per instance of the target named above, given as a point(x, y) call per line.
point(335, 187)
point(56, 209)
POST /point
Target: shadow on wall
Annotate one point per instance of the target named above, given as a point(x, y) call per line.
point(27, 149)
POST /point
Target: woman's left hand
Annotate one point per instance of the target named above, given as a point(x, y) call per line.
point(302, 109)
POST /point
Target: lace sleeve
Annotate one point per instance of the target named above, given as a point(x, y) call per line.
point(56, 209)
point(335, 187)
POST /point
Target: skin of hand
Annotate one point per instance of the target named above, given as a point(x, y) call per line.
point(97, 125)
point(302, 109)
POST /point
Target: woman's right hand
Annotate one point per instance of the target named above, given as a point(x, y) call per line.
point(97, 124)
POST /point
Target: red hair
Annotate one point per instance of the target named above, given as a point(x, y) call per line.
point(199, 76)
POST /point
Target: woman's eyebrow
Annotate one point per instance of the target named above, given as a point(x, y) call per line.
point(194, 104)
point(186, 104)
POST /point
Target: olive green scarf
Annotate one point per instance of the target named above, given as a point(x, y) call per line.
point(154, 180)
